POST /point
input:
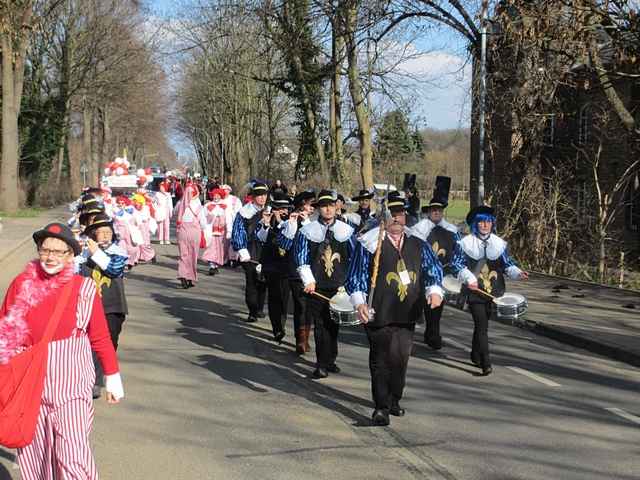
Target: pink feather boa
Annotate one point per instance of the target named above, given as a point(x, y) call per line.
point(35, 286)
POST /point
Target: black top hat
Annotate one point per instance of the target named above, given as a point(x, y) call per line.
point(89, 202)
point(280, 200)
point(85, 214)
point(409, 182)
point(340, 197)
point(481, 209)
point(259, 188)
point(363, 195)
point(100, 220)
point(441, 193)
point(60, 231)
point(302, 197)
point(326, 197)
point(396, 202)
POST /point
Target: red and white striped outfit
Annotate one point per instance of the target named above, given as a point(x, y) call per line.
point(60, 449)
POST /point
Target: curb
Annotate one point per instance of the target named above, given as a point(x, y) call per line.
point(562, 336)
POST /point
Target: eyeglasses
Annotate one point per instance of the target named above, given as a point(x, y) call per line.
point(46, 252)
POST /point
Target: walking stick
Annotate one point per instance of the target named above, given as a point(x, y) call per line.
point(376, 257)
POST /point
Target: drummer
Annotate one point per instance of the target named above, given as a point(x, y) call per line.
point(480, 263)
point(322, 251)
point(408, 272)
point(442, 236)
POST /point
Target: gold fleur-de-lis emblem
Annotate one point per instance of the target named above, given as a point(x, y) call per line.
point(439, 252)
point(282, 252)
point(328, 257)
point(100, 280)
point(395, 276)
point(485, 276)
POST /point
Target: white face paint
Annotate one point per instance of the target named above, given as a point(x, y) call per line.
point(52, 270)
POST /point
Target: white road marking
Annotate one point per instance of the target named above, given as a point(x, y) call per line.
point(621, 413)
point(452, 342)
point(534, 376)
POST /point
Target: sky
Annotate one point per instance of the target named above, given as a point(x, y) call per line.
point(439, 72)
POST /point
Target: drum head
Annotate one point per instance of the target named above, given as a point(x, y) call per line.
point(340, 302)
point(510, 299)
point(451, 284)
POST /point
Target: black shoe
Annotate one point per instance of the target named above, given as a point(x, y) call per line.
point(129, 267)
point(184, 283)
point(475, 360)
point(320, 373)
point(190, 284)
point(212, 271)
point(434, 343)
point(486, 371)
point(380, 418)
point(278, 337)
point(333, 368)
point(154, 260)
point(260, 315)
point(97, 391)
point(396, 410)
point(251, 319)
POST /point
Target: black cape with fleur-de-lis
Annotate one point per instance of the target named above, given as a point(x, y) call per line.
point(272, 257)
point(490, 278)
point(111, 290)
point(393, 302)
point(329, 262)
point(442, 242)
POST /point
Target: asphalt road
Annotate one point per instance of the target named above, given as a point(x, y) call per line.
point(212, 397)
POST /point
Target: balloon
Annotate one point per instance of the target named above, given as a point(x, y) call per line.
point(119, 171)
point(140, 172)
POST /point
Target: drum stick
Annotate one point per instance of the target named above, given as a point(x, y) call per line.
point(486, 294)
point(321, 296)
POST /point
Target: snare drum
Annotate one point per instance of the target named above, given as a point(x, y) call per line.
point(452, 288)
point(511, 306)
point(341, 310)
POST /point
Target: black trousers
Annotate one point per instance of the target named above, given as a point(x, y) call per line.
point(114, 322)
point(389, 351)
point(480, 312)
point(299, 304)
point(255, 290)
point(325, 329)
point(278, 299)
point(432, 324)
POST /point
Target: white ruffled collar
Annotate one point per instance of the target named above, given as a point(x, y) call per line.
point(369, 240)
point(316, 231)
point(474, 248)
point(248, 210)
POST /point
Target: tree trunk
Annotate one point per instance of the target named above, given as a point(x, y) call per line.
point(86, 143)
point(335, 107)
point(358, 100)
point(9, 166)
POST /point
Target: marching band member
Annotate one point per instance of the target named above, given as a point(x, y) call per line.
point(244, 241)
point(364, 211)
point(480, 263)
point(302, 203)
point(408, 272)
point(190, 221)
point(274, 261)
point(164, 211)
point(323, 250)
point(442, 236)
point(219, 224)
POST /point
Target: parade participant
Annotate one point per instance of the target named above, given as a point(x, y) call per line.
point(126, 229)
point(104, 262)
point(143, 219)
point(107, 200)
point(300, 217)
point(413, 200)
point(351, 219)
point(218, 230)
point(274, 261)
point(190, 223)
point(322, 251)
point(364, 210)
point(407, 273)
point(60, 447)
point(480, 263)
point(163, 207)
point(89, 207)
point(234, 204)
point(442, 236)
point(244, 241)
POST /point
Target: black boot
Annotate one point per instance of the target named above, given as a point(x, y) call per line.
point(396, 410)
point(380, 418)
point(320, 373)
point(184, 283)
point(190, 284)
